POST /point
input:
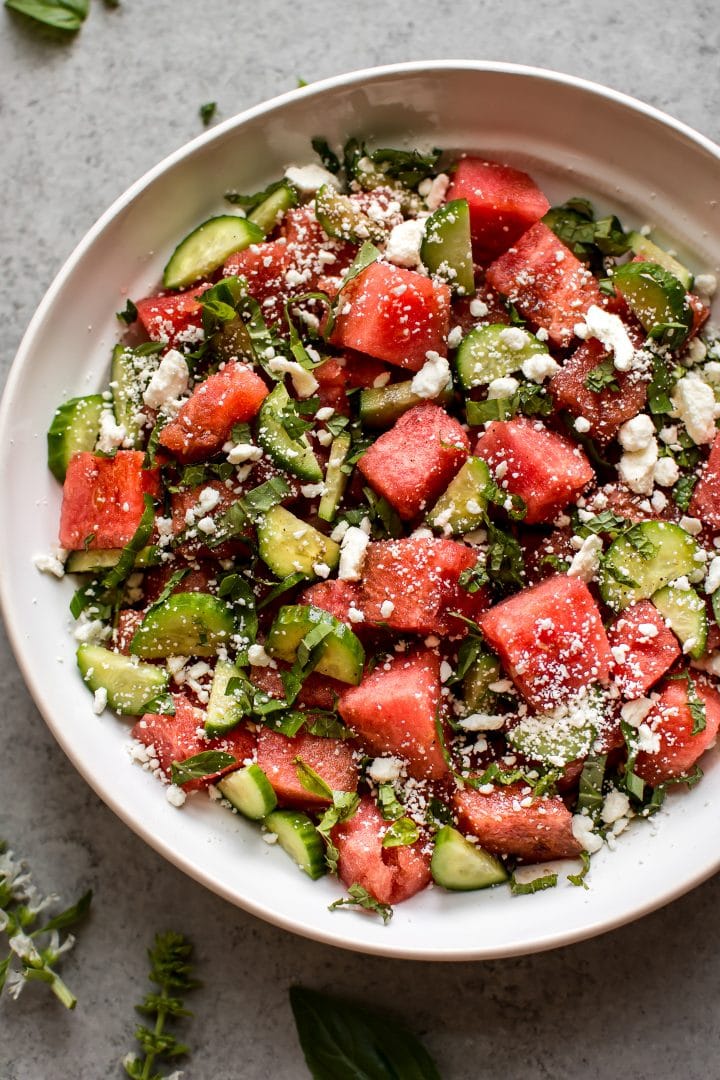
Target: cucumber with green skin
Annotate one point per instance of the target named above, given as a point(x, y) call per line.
point(125, 369)
point(288, 545)
point(643, 560)
point(484, 355)
point(74, 429)
point(341, 655)
point(207, 247)
point(299, 838)
point(131, 686)
point(643, 245)
point(685, 613)
point(446, 249)
point(272, 210)
point(186, 624)
point(658, 300)
point(223, 711)
point(335, 479)
point(381, 406)
point(295, 455)
point(342, 218)
point(249, 791)
point(484, 670)
point(460, 866)
point(93, 560)
point(461, 508)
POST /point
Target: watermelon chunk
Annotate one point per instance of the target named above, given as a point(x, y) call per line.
point(127, 623)
point(389, 874)
point(264, 267)
point(176, 738)
point(337, 597)
point(705, 502)
point(671, 722)
point(503, 203)
point(607, 410)
point(332, 759)
point(173, 318)
point(311, 252)
point(206, 419)
point(413, 462)
point(504, 826)
point(317, 692)
point(103, 499)
point(546, 283)
point(186, 501)
point(419, 576)
point(393, 711)
point(393, 314)
point(640, 657)
point(550, 639)
point(546, 470)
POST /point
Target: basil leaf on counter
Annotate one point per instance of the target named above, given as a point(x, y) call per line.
point(66, 15)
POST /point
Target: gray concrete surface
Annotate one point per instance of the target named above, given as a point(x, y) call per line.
point(79, 120)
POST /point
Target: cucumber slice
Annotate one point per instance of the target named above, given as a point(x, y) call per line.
point(644, 559)
point(90, 562)
point(554, 744)
point(300, 839)
point(476, 683)
point(484, 355)
point(460, 866)
point(446, 249)
point(342, 657)
point(125, 369)
point(642, 245)
point(341, 217)
point(250, 792)
point(207, 247)
point(130, 685)
point(657, 298)
point(294, 455)
point(461, 508)
point(232, 342)
point(288, 545)
point(186, 624)
point(335, 479)
point(382, 406)
point(270, 211)
point(223, 711)
point(74, 429)
point(685, 613)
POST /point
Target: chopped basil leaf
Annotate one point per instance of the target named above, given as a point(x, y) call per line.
point(696, 706)
point(385, 520)
point(162, 705)
point(326, 725)
point(367, 254)
point(574, 223)
point(360, 897)
point(660, 386)
point(66, 15)
point(282, 587)
point(602, 377)
point(105, 589)
point(207, 111)
point(579, 879)
point(590, 796)
point(605, 522)
point(249, 202)
point(524, 888)
point(682, 493)
point(337, 424)
point(637, 540)
point(388, 804)
point(474, 578)
point(330, 160)
point(197, 767)
point(438, 813)
point(401, 833)
point(311, 780)
point(407, 166)
point(344, 806)
point(235, 520)
point(129, 314)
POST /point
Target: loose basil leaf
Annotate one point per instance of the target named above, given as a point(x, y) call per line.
point(342, 1040)
point(311, 780)
point(207, 111)
point(579, 879)
point(66, 15)
point(590, 796)
point(390, 808)
point(367, 254)
point(407, 166)
point(360, 897)
point(329, 159)
point(327, 726)
point(162, 705)
point(129, 314)
point(518, 888)
point(282, 587)
point(247, 510)
point(602, 377)
point(696, 706)
point(659, 388)
point(682, 493)
point(401, 833)
point(249, 202)
point(197, 767)
point(237, 591)
point(344, 806)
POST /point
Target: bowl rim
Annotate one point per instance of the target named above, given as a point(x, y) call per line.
point(24, 661)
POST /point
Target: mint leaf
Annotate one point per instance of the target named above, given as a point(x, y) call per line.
point(360, 897)
point(401, 833)
point(197, 767)
point(524, 888)
point(68, 15)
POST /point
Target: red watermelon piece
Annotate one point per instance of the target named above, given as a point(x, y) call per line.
point(127, 623)
point(103, 499)
point(337, 597)
point(332, 759)
point(393, 711)
point(671, 720)
point(393, 314)
point(172, 318)
point(389, 874)
point(312, 253)
point(546, 470)
point(264, 267)
point(413, 463)
point(317, 692)
point(705, 502)
point(503, 203)
point(546, 283)
point(640, 657)
point(550, 639)
point(504, 826)
point(187, 500)
point(205, 421)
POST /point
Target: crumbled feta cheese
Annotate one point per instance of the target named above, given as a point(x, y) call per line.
point(321, 569)
point(705, 286)
point(387, 607)
point(669, 435)
point(615, 806)
point(648, 741)
point(691, 525)
point(90, 631)
point(208, 500)
point(243, 452)
point(695, 405)
point(339, 531)
point(385, 770)
point(514, 338)
point(352, 553)
point(582, 425)
point(582, 829)
point(207, 525)
point(695, 352)
point(610, 331)
point(304, 381)
point(111, 434)
point(637, 469)
point(168, 383)
point(258, 657)
point(478, 309)
point(586, 562)
point(324, 413)
point(313, 491)
point(355, 615)
point(637, 433)
point(445, 671)
point(433, 376)
point(175, 795)
point(482, 722)
point(502, 388)
point(634, 712)
point(539, 367)
point(712, 581)
point(324, 437)
point(455, 337)
point(100, 698)
point(310, 178)
point(50, 564)
point(666, 472)
point(437, 191)
point(404, 243)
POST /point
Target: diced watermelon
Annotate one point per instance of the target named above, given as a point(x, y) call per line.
point(205, 421)
point(103, 499)
point(389, 874)
point(413, 462)
point(495, 308)
point(127, 623)
point(419, 576)
point(546, 470)
point(546, 283)
point(705, 502)
point(393, 314)
point(317, 692)
point(185, 502)
point(264, 267)
point(200, 578)
point(607, 410)
point(550, 639)
point(172, 318)
point(393, 711)
point(504, 826)
point(672, 722)
point(176, 738)
point(311, 252)
point(541, 552)
point(643, 648)
point(503, 203)
point(332, 759)
point(337, 597)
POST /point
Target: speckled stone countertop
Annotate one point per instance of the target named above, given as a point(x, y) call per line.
point(80, 119)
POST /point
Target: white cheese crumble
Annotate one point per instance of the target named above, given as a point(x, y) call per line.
point(586, 561)
point(712, 581)
point(100, 698)
point(242, 452)
point(582, 425)
point(637, 433)
point(502, 388)
point(111, 434)
point(168, 383)
point(666, 472)
point(433, 376)
point(304, 381)
point(705, 286)
point(404, 243)
point(478, 309)
point(310, 178)
point(175, 795)
point(695, 405)
point(321, 569)
point(385, 770)
point(514, 338)
point(455, 337)
point(482, 722)
point(352, 553)
point(691, 525)
point(312, 491)
point(539, 367)
point(387, 607)
point(437, 190)
point(610, 331)
point(259, 658)
point(615, 806)
point(51, 564)
point(582, 830)
point(445, 671)
point(634, 712)
point(637, 469)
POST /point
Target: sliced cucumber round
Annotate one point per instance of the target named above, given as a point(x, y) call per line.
point(381, 406)
point(90, 562)
point(643, 245)
point(131, 686)
point(657, 298)
point(295, 455)
point(300, 839)
point(125, 369)
point(484, 670)
point(344, 219)
point(643, 560)
point(74, 429)
point(461, 507)
point(460, 866)
point(486, 354)
point(447, 247)
point(685, 613)
point(186, 624)
point(288, 545)
point(270, 211)
point(207, 247)
point(223, 711)
point(249, 791)
point(342, 656)
point(335, 479)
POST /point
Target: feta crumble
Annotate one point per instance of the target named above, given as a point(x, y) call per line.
point(433, 376)
point(352, 553)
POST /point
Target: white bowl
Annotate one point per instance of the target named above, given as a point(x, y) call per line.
point(575, 138)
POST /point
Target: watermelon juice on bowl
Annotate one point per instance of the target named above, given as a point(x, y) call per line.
point(393, 531)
